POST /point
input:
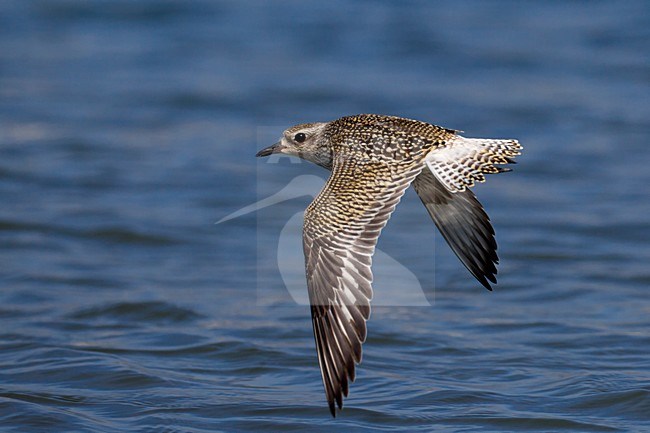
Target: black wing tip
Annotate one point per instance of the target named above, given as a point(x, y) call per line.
point(332, 408)
point(484, 282)
point(485, 278)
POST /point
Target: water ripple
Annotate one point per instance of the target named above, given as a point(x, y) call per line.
point(128, 128)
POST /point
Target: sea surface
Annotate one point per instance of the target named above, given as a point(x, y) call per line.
point(128, 128)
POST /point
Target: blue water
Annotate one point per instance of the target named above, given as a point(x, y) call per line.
point(127, 128)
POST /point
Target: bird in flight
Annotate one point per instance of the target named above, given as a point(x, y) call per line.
point(373, 160)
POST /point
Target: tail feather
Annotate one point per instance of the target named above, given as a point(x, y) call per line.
point(465, 161)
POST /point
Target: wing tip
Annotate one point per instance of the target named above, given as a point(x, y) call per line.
point(332, 408)
point(483, 279)
point(486, 278)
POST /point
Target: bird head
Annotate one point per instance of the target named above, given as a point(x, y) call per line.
point(306, 141)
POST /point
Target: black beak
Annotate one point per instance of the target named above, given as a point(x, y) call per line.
point(269, 150)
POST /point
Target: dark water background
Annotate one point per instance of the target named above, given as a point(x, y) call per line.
point(127, 128)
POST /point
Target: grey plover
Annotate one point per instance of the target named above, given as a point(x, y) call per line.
point(373, 159)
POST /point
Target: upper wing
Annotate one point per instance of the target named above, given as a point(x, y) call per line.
point(464, 225)
point(339, 236)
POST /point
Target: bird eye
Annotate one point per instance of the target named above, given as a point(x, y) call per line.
point(300, 137)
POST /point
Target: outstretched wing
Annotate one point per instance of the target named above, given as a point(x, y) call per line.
point(464, 225)
point(453, 168)
point(339, 236)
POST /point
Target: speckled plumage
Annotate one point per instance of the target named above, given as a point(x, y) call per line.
point(374, 159)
